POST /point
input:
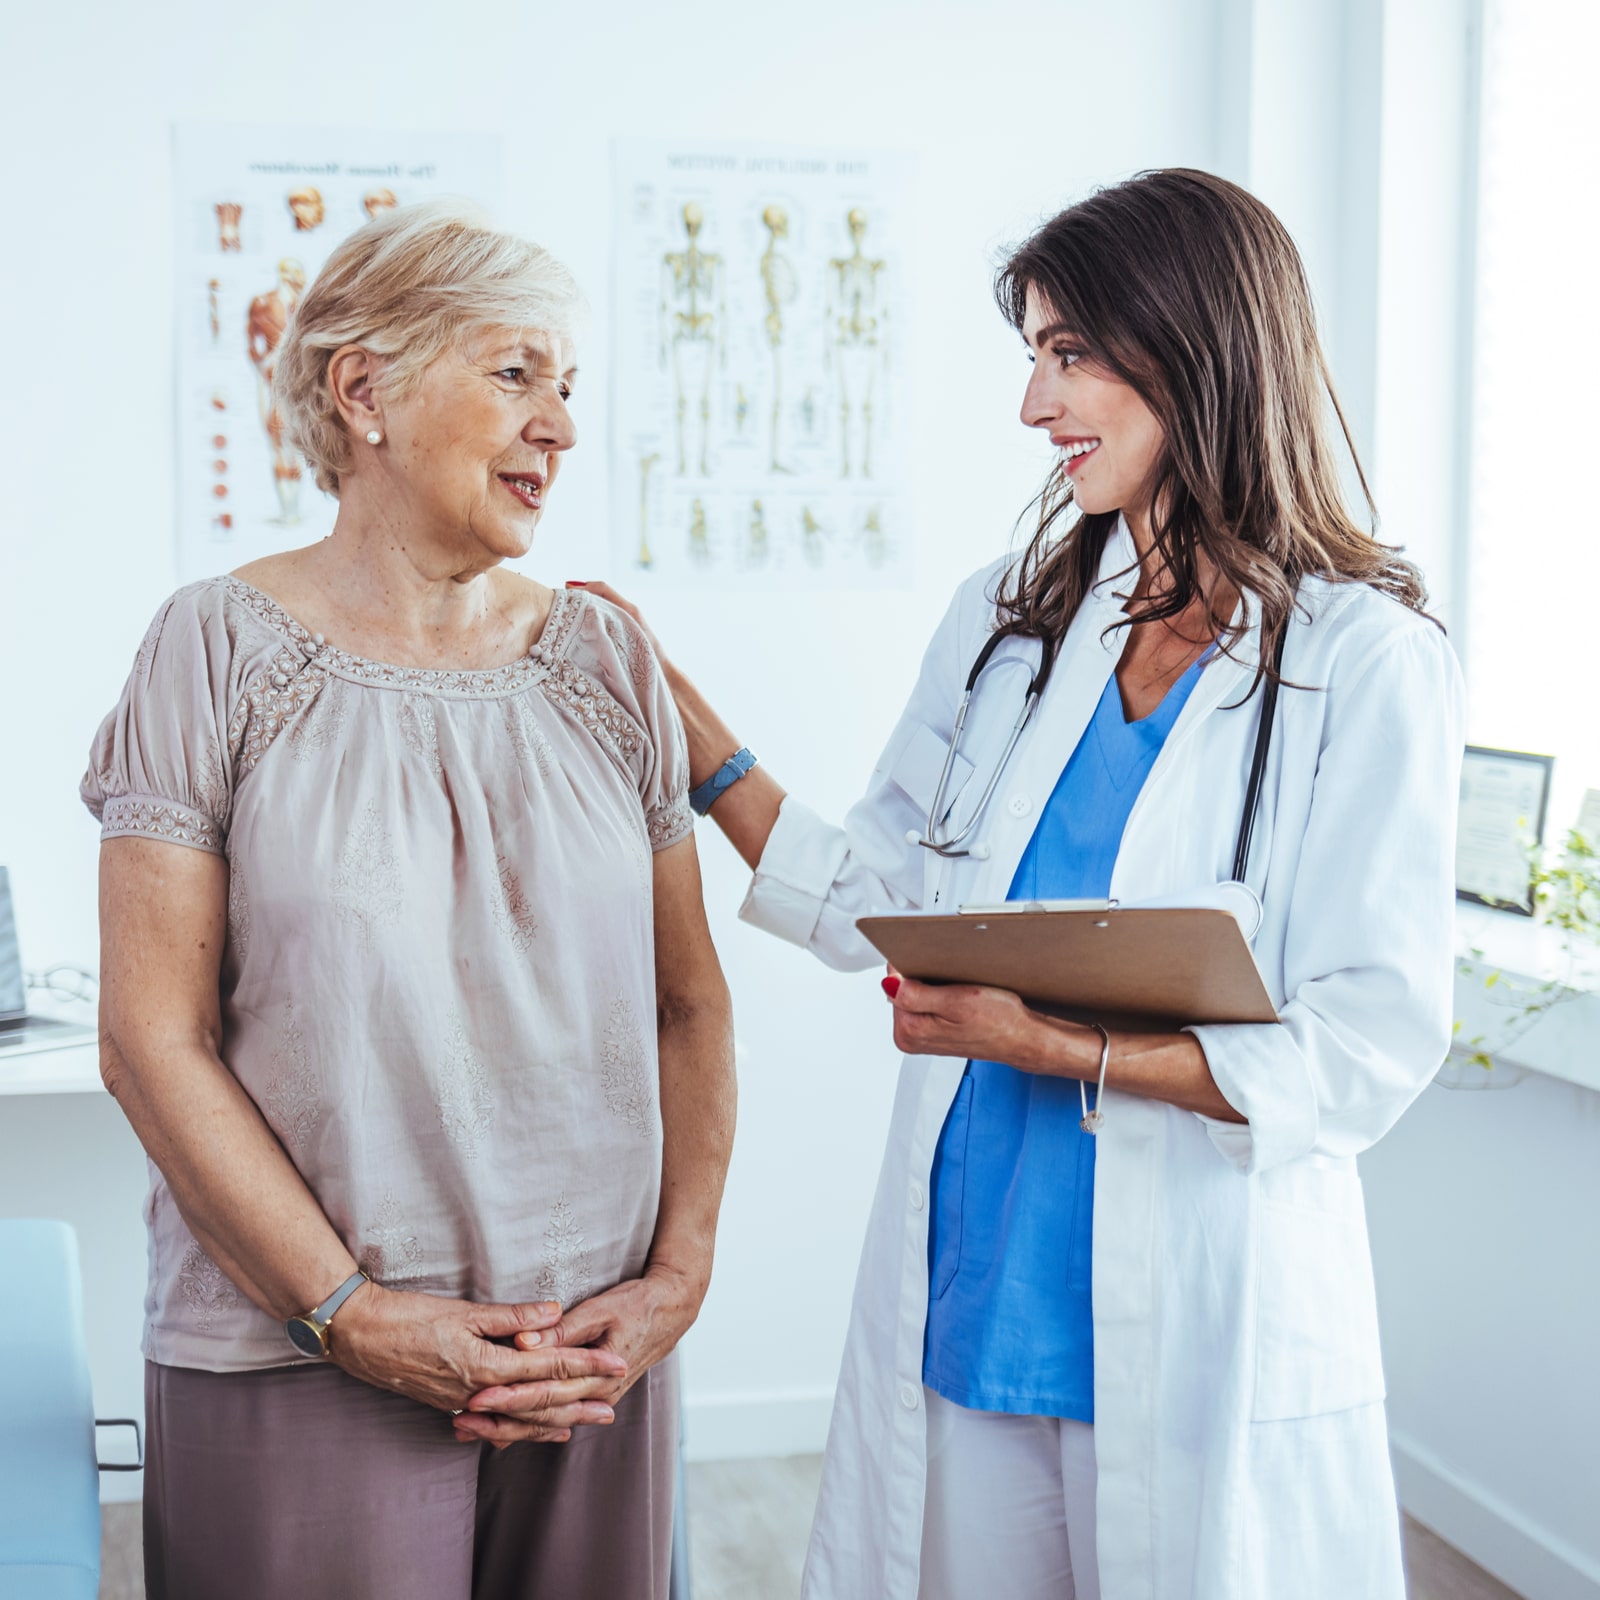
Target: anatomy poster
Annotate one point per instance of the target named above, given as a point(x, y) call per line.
point(258, 211)
point(759, 403)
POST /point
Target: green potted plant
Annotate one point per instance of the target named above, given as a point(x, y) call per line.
point(1566, 896)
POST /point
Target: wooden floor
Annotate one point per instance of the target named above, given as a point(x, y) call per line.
point(748, 1522)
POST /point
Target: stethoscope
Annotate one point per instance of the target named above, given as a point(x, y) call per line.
point(954, 845)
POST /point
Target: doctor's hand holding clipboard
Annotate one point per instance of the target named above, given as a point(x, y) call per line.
point(1115, 1331)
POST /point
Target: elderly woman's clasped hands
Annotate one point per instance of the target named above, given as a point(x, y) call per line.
point(580, 1364)
point(453, 1355)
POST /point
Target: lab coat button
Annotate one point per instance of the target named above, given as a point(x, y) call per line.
point(917, 1197)
point(909, 1397)
point(1020, 805)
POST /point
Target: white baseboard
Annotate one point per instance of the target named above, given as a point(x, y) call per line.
point(738, 1427)
point(1499, 1538)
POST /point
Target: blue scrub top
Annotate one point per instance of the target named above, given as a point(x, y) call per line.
point(1009, 1321)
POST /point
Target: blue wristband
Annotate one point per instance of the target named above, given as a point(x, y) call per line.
point(720, 781)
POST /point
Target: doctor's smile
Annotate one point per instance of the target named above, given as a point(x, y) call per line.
point(1073, 451)
point(1100, 1292)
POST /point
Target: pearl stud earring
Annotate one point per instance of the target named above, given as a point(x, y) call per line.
point(374, 437)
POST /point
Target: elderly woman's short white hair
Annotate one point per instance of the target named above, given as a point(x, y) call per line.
point(409, 286)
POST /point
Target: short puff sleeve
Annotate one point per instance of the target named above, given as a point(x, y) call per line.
point(628, 668)
point(160, 767)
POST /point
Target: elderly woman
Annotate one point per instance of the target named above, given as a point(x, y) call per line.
point(409, 993)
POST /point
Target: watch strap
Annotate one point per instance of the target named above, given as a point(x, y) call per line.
point(720, 781)
point(323, 1314)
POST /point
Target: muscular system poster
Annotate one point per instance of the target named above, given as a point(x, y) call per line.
point(258, 211)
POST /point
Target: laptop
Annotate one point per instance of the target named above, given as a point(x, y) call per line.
point(17, 1028)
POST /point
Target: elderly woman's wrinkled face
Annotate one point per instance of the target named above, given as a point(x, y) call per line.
point(478, 439)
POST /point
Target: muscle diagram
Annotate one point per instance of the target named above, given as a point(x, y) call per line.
point(306, 207)
point(228, 215)
point(267, 319)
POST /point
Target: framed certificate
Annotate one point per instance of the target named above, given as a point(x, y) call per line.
point(1504, 795)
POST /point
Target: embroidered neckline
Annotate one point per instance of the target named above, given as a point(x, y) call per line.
point(459, 683)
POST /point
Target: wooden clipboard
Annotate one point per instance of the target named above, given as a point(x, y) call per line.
point(1145, 969)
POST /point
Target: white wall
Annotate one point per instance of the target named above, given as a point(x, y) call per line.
point(1484, 1210)
point(1011, 113)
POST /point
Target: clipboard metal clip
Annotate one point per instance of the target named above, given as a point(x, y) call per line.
point(1007, 907)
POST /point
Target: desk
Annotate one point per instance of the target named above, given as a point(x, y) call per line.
point(72, 1068)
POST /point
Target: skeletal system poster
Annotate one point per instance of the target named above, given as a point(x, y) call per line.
point(258, 211)
point(758, 326)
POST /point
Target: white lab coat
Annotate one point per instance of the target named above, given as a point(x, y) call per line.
point(1239, 1419)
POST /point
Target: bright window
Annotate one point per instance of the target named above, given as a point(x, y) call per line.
point(1533, 635)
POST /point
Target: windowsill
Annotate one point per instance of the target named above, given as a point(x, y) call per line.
point(1565, 1042)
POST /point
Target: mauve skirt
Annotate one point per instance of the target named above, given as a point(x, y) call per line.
point(304, 1480)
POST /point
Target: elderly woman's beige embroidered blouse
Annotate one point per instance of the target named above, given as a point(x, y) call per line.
point(439, 980)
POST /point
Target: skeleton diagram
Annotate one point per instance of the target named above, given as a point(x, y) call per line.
point(856, 338)
point(699, 544)
point(811, 537)
point(644, 558)
point(780, 287)
point(873, 538)
point(691, 282)
point(268, 317)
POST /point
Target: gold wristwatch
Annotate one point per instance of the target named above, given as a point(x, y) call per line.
point(308, 1332)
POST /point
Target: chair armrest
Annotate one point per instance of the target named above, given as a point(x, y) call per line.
point(138, 1445)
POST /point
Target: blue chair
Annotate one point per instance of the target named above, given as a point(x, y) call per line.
point(49, 1489)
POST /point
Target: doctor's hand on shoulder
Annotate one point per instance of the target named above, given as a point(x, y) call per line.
point(746, 811)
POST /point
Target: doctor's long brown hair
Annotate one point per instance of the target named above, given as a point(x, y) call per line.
point(1188, 288)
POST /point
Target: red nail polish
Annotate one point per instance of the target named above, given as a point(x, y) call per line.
point(891, 986)
point(577, 583)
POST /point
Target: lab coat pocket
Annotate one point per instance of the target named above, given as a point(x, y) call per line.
point(949, 1190)
point(1316, 1313)
point(915, 767)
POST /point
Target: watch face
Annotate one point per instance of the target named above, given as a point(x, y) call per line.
point(304, 1338)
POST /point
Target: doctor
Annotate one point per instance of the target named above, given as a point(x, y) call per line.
point(1140, 1362)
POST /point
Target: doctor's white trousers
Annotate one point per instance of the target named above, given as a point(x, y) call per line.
point(1010, 1507)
